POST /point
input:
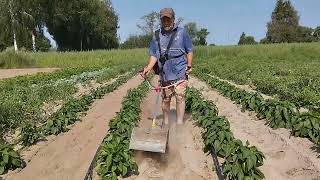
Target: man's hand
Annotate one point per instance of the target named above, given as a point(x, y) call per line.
point(149, 67)
point(189, 60)
point(189, 69)
point(146, 70)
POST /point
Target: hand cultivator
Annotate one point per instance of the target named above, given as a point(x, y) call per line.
point(155, 138)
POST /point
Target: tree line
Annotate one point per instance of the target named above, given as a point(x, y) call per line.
point(74, 24)
point(284, 27)
point(92, 24)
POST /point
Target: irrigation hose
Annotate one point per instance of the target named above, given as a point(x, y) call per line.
point(217, 164)
point(90, 169)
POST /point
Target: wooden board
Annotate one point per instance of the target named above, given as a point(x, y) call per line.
point(149, 139)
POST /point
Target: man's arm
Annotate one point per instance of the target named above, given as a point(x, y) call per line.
point(152, 62)
point(189, 50)
point(189, 58)
point(152, 57)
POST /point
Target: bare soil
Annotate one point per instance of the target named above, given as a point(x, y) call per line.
point(9, 73)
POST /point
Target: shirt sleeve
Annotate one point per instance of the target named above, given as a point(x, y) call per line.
point(187, 42)
point(153, 47)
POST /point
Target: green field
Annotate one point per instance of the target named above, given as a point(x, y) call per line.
point(10, 59)
point(288, 71)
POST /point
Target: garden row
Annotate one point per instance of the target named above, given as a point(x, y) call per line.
point(240, 161)
point(115, 159)
point(277, 113)
point(286, 71)
point(31, 131)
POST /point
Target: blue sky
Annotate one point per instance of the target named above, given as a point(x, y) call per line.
point(224, 19)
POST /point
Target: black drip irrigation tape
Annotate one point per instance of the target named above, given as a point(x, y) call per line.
point(90, 169)
point(217, 164)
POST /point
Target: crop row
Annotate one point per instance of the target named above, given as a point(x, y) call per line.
point(57, 123)
point(240, 161)
point(20, 103)
point(277, 113)
point(114, 158)
point(287, 71)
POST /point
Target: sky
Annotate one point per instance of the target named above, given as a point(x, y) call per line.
point(224, 19)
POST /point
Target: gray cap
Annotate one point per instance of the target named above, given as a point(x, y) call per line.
point(168, 12)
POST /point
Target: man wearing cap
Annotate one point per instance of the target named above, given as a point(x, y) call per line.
point(174, 62)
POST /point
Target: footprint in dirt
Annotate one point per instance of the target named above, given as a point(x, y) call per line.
point(277, 155)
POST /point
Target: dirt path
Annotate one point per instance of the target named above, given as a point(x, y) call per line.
point(184, 159)
point(286, 157)
point(68, 155)
point(9, 73)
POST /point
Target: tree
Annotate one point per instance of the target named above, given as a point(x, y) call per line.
point(284, 23)
point(202, 36)
point(21, 22)
point(137, 41)
point(264, 41)
point(246, 39)
point(316, 33)
point(82, 24)
point(198, 37)
point(305, 34)
point(150, 23)
point(242, 39)
point(192, 29)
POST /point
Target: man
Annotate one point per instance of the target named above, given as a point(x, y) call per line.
point(174, 64)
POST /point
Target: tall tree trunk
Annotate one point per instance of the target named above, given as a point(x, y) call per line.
point(81, 43)
point(15, 41)
point(13, 29)
point(33, 41)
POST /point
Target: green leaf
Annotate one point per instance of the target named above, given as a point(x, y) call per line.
point(109, 162)
point(1, 170)
point(249, 164)
point(50, 123)
point(285, 114)
point(114, 167)
point(16, 162)
point(5, 157)
point(124, 170)
point(240, 175)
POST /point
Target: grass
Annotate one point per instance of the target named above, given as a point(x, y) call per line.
point(89, 58)
point(9, 59)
